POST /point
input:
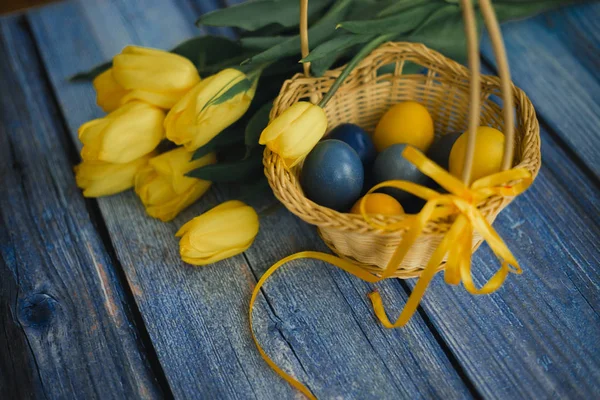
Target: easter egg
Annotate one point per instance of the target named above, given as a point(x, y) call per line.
point(390, 165)
point(332, 175)
point(358, 139)
point(489, 150)
point(439, 152)
point(378, 203)
point(408, 122)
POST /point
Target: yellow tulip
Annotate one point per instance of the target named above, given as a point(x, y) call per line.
point(163, 187)
point(154, 76)
point(197, 118)
point(98, 178)
point(108, 91)
point(129, 132)
point(222, 232)
point(295, 132)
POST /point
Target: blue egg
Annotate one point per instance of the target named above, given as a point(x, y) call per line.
point(332, 175)
point(439, 151)
point(390, 165)
point(358, 139)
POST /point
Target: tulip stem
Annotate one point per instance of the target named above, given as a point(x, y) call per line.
point(372, 45)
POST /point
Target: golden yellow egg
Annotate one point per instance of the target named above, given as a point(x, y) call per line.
point(489, 150)
point(407, 122)
point(379, 203)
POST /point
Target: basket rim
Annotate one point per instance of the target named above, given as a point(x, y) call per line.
point(328, 218)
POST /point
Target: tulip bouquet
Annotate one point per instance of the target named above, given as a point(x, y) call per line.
point(211, 96)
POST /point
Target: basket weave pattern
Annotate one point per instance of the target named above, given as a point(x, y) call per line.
point(362, 100)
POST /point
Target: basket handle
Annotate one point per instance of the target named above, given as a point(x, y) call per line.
point(491, 22)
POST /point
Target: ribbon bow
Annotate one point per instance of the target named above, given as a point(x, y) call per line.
point(457, 242)
point(462, 201)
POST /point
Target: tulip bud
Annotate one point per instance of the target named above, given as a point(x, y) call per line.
point(129, 132)
point(222, 232)
point(295, 132)
point(154, 76)
point(98, 178)
point(202, 113)
point(108, 91)
point(163, 187)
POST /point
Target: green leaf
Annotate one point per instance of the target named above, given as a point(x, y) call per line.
point(261, 43)
point(91, 74)
point(322, 65)
point(510, 10)
point(404, 22)
point(318, 33)
point(207, 50)
point(230, 136)
point(336, 45)
point(257, 124)
point(444, 32)
point(239, 87)
point(256, 14)
point(398, 6)
point(235, 171)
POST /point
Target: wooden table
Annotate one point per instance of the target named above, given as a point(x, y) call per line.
point(95, 302)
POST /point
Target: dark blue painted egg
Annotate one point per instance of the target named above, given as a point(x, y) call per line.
point(332, 175)
point(390, 165)
point(358, 139)
point(439, 151)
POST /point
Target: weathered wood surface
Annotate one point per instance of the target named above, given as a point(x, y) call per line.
point(537, 337)
point(66, 330)
point(196, 317)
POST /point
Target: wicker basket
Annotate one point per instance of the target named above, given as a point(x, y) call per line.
point(447, 90)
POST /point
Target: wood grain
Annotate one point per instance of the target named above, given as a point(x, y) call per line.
point(65, 330)
point(197, 316)
point(565, 91)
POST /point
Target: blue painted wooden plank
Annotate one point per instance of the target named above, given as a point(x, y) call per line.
point(208, 348)
point(565, 93)
point(579, 29)
point(65, 325)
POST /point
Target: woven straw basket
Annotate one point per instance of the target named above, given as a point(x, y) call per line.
point(450, 92)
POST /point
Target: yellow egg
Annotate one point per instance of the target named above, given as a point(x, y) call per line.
point(489, 150)
point(379, 203)
point(408, 122)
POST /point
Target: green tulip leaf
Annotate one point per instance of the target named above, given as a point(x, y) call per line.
point(318, 33)
point(336, 45)
point(261, 43)
point(256, 14)
point(257, 123)
point(229, 93)
point(323, 64)
point(404, 22)
point(89, 75)
point(229, 137)
point(234, 171)
point(204, 51)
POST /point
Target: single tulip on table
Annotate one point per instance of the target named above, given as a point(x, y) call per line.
point(224, 231)
point(98, 178)
point(126, 134)
point(207, 109)
point(295, 132)
point(164, 188)
point(154, 76)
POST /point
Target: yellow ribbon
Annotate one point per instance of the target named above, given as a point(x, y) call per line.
point(461, 200)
